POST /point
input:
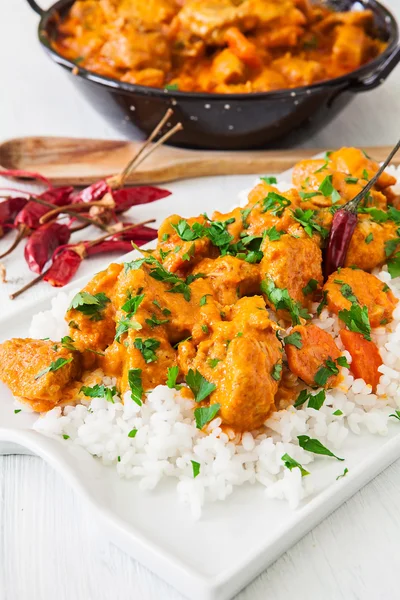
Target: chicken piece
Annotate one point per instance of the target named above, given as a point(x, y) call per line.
point(227, 67)
point(92, 323)
point(147, 15)
point(206, 19)
point(132, 49)
point(268, 207)
point(25, 368)
point(243, 358)
point(360, 18)
point(230, 278)
point(354, 161)
point(179, 252)
point(299, 71)
point(367, 248)
point(317, 346)
point(282, 37)
point(291, 263)
point(368, 290)
point(262, 13)
point(149, 77)
point(243, 48)
point(350, 47)
point(268, 80)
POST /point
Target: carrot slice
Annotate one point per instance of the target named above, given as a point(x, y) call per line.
point(242, 47)
point(365, 357)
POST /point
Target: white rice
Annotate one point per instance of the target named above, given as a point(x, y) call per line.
point(167, 439)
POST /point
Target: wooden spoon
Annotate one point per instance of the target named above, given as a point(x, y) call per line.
point(76, 161)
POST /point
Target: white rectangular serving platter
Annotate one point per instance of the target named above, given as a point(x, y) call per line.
point(235, 540)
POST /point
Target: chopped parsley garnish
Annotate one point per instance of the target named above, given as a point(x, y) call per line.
point(135, 383)
point(294, 339)
point(365, 174)
point(172, 87)
point(147, 348)
point(132, 433)
point(317, 400)
point(325, 372)
point(165, 237)
point(99, 391)
point(343, 474)
point(307, 195)
point(94, 351)
point(215, 231)
point(396, 415)
point(352, 180)
point(199, 385)
point(385, 288)
point(281, 300)
point(124, 325)
point(165, 311)
point(290, 463)
point(195, 468)
point(357, 319)
point(203, 299)
point(154, 322)
point(302, 398)
point(269, 180)
point(326, 188)
point(369, 238)
point(277, 371)
point(65, 436)
point(273, 234)
point(160, 273)
point(205, 414)
point(323, 303)
point(68, 343)
point(377, 215)
point(310, 287)
point(132, 304)
point(275, 203)
point(212, 362)
point(306, 218)
point(74, 325)
point(394, 265)
point(204, 329)
point(54, 366)
point(342, 362)
point(347, 292)
point(324, 166)
point(315, 446)
point(190, 253)
point(89, 305)
point(134, 265)
point(172, 376)
point(391, 245)
point(337, 413)
point(17, 411)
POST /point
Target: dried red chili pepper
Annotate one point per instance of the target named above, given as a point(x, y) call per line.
point(133, 196)
point(96, 191)
point(9, 209)
point(43, 242)
point(65, 265)
point(345, 221)
point(26, 175)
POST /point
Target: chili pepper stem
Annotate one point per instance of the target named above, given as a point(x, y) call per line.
point(20, 235)
point(162, 140)
point(111, 233)
point(75, 214)
point(75, 208)
point(28, 285)
point(117, 181)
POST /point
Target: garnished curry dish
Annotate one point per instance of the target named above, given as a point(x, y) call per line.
point(224, 305)
point(221, 46)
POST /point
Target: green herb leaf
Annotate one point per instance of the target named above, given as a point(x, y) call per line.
point(290, 463)
point(172, 376)
point(294, 339)
point(273, 234)
point(323, 303)
point(124, 325)
point(172, 87)
point(325, 372)
point(165, 311)
point(65, 436)
point(365, 174)
point(99, 391)
point(323, 168)
point(147, 348)
point(195, 468)
point(310, 287)
point(369, 238)
point(337, 413)
point(89, 305)
point(357, 319)
point(204, 329)
point(391, 246)
point(394, 265)
point(132, 304)
point(281, 300)
point(277, 371)
point(212, 362)
point(154, 322)
point(347, 293)
point(317, 400)
point(343, 474)
point(326, 188)
point(396, 415)
point(275, 203)
point(342, 362)
point(17, 410)
point(270, 180)
point(132, 433)
point(352, 180)
point(306, 218)
point(74, 325)
point(302, 398)
point(54, 366)
point(199, 385)
point(205, 414)
point(203, 299)
point(135, 383)
point(307, 195)
point(190, 253)
point(68, 343)
point(315, 446)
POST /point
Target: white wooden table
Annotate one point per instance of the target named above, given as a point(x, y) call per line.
point(50, 546)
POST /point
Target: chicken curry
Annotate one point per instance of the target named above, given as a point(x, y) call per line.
point(225, 304)
point(220, 46)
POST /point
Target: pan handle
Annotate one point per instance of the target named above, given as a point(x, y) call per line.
point(379, 76)
point(36, 7)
